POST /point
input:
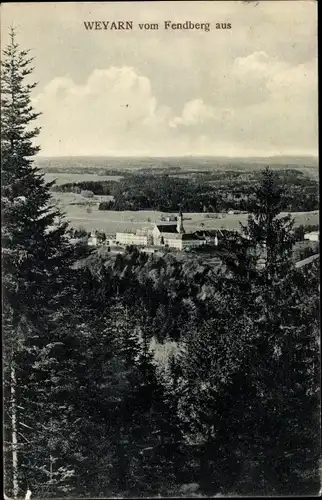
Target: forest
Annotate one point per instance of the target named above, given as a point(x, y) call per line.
point(142, 376)
point(199, 192)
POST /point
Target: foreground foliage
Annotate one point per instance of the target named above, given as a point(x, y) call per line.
point(92, 408)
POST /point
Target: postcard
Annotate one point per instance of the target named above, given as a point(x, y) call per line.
point(160, 249)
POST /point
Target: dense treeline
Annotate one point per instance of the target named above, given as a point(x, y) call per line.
point(205, 191)
point(97, 404)
point(171, 293)
point(97, 187)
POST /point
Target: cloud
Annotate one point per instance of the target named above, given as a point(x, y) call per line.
point(256, 64)
point(194, 112)
point(265, 105)
point(114, 109)
point(251, 88)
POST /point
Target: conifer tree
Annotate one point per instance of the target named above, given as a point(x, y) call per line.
point(250, 375)
point(34, 235)
point(282, 302)
point(37, 256)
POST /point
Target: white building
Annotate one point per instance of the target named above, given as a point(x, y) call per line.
point(168, 218)
point(96, 238)
point(179, 241)
point(160, 230)
point(132, 239)
point(168, 236)
point(209, 237)
point(92, 240)
point(174, 236)
point(313, 236)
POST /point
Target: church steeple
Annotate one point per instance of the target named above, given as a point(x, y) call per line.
point(180, 228)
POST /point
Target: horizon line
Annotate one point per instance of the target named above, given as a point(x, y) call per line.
point(293, 155)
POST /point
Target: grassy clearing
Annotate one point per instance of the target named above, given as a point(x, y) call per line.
point(83, 212)
point(67, 201)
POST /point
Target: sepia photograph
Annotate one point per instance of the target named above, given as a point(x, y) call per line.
point(160, 249)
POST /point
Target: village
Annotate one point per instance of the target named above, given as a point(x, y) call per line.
point(165, 234)
point(169, 235)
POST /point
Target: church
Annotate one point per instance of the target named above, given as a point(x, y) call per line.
point(166, 235)
point(174, 236)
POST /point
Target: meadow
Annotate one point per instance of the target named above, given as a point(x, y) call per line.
point(83, 212)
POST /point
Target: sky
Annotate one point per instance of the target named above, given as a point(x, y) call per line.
point(246, 91)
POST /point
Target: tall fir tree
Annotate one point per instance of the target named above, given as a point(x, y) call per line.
point(283, 305)
point(34, 235)
point(37, 258)
point(250, 376)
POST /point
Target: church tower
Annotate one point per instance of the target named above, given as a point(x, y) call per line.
point(180, 228)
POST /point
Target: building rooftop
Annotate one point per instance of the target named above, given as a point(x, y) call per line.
point(206, 232)
point(167, 228)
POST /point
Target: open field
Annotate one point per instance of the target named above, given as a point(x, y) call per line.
point(66, 201)
point(112, 221)
point(83, 212)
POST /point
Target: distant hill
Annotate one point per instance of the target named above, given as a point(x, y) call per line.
point(293, 160)
point(282, 160)
point(92, 164)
